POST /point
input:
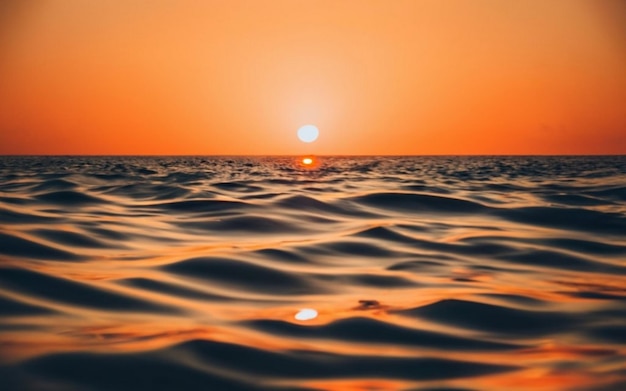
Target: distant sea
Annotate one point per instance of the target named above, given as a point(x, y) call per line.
point(416, 273)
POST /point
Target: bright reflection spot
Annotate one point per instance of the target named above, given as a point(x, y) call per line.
point(306, 314)
point(308, 162)
point(308, 133)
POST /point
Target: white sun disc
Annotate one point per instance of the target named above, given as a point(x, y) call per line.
point(308, 133)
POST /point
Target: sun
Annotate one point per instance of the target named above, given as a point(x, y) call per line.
point(308, 133)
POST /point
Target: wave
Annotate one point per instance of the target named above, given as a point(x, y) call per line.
point(20, 247)
point(416, 203)
point(372, 331)
point(61, 290)
point(242, 275)
point(68, 198)
point(221, 366)
point(496, 318)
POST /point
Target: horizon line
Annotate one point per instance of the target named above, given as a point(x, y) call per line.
point(309, 154)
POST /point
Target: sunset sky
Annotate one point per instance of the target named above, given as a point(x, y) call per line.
point(236, 77)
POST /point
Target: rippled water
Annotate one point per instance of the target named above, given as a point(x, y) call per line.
point(425, 273)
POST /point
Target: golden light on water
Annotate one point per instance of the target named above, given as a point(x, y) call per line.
point(307, 161)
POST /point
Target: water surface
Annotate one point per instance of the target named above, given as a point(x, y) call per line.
point(427, 273)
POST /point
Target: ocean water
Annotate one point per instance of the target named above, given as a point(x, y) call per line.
point(425, 273)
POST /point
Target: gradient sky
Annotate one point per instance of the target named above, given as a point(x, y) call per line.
point(376, 77)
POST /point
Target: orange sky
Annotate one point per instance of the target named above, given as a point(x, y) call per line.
point(376, 77)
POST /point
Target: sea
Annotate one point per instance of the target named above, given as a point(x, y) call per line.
point(431, 273)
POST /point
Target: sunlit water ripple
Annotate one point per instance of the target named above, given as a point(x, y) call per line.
point(426, 273)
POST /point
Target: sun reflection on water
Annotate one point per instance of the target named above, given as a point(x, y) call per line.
point(306, 314)
point(308, 162)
